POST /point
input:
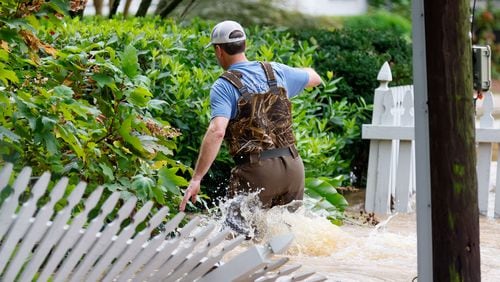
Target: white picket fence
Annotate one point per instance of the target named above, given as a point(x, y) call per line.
point(40, 244)
point(391, 166)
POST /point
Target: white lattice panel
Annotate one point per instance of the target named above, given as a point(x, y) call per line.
point(40, 244)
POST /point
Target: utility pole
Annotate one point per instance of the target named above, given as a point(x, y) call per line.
point(451, 142)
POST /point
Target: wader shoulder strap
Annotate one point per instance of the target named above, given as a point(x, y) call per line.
point(234, 78)
point(271, 79)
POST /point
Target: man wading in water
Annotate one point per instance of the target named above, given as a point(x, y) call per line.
point(251, 110)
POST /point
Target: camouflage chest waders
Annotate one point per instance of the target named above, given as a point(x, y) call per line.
point(262, 144)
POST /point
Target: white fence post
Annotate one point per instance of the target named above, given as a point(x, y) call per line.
point(377, 185)
point(484, 154)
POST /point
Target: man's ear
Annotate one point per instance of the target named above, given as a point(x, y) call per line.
point(218, 50)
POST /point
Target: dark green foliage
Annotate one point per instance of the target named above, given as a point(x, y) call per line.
point(355, 56)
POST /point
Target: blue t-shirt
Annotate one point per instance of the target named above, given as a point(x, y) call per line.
point(224, 96)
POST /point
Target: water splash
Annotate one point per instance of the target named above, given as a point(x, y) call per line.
point(314, 234)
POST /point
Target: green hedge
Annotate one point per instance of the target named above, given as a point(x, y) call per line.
point(355, 56)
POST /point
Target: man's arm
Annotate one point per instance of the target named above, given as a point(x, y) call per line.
point(314, 78)
point(210, 147)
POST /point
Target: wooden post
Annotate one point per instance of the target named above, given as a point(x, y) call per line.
point(455, 215)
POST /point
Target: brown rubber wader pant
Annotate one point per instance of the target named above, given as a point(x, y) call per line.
point(280, 179)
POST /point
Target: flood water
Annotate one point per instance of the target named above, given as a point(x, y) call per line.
point(358, 251)
point(389, 252)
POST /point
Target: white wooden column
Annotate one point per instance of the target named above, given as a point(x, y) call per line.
point(422, 159)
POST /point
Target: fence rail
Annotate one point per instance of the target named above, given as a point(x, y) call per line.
point(391, 166)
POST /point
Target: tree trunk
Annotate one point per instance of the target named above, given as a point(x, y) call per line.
point(143, 8)
point(127, 7)
point(113, 8)
point(188, 7)
point(169, 8)
point(455, 213)
point(98, 7)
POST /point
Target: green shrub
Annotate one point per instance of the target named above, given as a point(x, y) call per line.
point(355, 57)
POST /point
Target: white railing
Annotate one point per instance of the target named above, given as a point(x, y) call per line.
point(391, 166)
point(42, 244)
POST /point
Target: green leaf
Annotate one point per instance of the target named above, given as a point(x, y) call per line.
point(107, 171)
point(140, 97)
point(156, 104)
point(72, 141)
point(5, 132)
point(142, 186)
point(321, 187)
point(130, 62)
point(158, 195)
point(125, 130)
point(50, 142)
point(4, 55)
point(8, 75)
point(103, 80)
point(64, 91)
point(59, 6)
point(168, 178)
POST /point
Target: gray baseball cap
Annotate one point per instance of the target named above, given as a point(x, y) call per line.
point(221, 33)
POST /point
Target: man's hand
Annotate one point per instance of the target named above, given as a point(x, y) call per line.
point(191, 192)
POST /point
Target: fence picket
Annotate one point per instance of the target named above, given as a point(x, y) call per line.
point(149, 249)
point(119, 243)
point(179, 255)
point(53, 234)
point(403, 181)
point(7, 212)
point(22, 222)
point(105, 240)
point(37, 229)
point(165, 251)
point(72, 234)
point(195, 258)
point(86, 241)
point(271, 266)
point(206, 265)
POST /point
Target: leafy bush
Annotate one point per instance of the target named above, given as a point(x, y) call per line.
point(327, 129)
point(120, 103)
point(356, 55)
